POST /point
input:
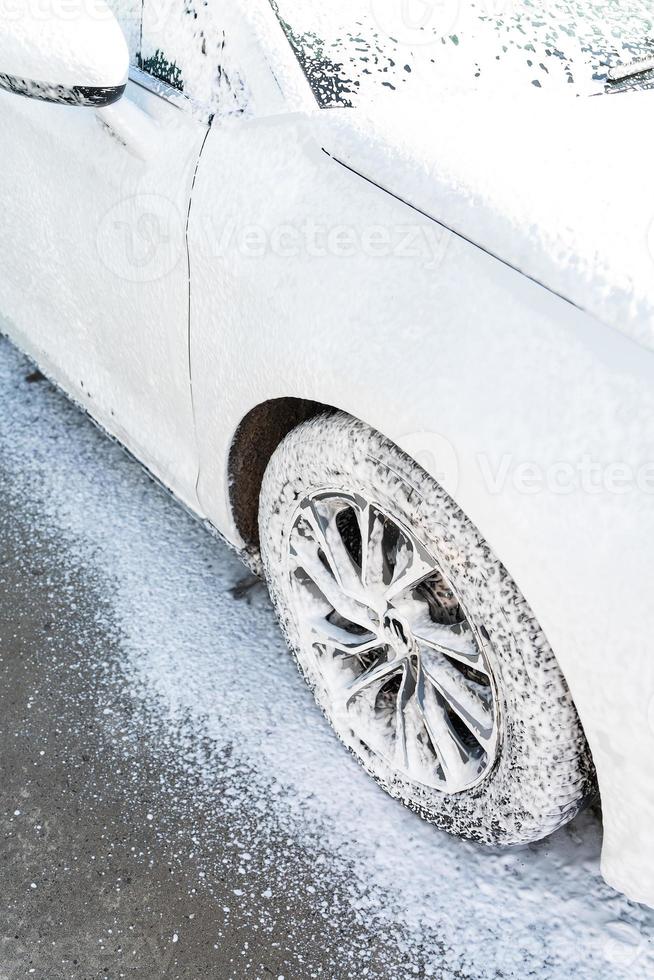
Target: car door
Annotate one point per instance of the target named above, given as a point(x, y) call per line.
point(94, 281)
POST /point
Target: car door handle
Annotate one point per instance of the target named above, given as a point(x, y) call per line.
point(132, 127)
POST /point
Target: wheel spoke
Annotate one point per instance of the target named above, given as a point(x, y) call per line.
point(457, 642)
point(306, 552)
point(412, 565)
point(452, 754)
point(460, 696)
point(404, 695)
point(328, 537)
point(335, 636)
point(375, 676)
point(373, 560)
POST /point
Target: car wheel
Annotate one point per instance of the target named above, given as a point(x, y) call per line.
point(416, 642)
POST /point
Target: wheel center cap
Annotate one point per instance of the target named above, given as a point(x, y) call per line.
point(396, 633)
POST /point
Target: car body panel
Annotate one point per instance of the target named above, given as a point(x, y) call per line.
point(539, 186)
point(456, 357)
point(95, 276)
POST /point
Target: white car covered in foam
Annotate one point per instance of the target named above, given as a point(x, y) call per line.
point(369, 286)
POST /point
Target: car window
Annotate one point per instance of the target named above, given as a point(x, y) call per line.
point(128, 15)
point(184, 43)
point(355, 52)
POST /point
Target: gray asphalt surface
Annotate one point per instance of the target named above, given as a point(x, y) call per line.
point(166, 814)
point(90, 888)
point(93, 886)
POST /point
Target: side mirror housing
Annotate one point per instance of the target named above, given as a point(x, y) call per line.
point(72, 53)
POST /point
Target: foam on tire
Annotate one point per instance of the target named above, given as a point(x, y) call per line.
point(544, 772)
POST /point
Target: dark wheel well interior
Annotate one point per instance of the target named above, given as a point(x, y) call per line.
point(256, 439)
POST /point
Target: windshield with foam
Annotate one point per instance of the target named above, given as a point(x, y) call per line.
point(355, 52)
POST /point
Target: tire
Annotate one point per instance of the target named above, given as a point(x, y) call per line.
point(471, 724)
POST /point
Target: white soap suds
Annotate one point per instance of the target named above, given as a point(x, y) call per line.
point(197, 657)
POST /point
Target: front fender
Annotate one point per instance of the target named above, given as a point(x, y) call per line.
point(309, 282)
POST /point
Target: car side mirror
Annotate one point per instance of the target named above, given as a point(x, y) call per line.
point(72, 52)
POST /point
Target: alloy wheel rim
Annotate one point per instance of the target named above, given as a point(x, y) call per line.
point(397, 664)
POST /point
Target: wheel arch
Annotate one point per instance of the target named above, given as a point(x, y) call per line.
point(255, 440)
point(253, 443)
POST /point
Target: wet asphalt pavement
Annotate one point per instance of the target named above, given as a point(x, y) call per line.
point(156, 818)
point(93, 884)
point(116, 859)
point(88, 889)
